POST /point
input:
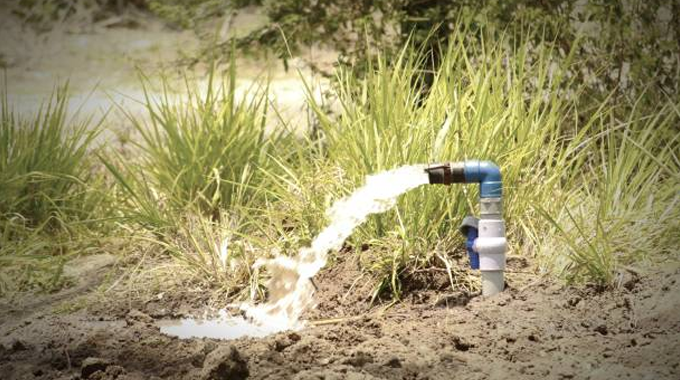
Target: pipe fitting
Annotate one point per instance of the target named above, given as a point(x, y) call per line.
point(491, 252)
point(446, 173)
point(470, 229)
point(487, 243)
point(488, 175)
point(491, 246)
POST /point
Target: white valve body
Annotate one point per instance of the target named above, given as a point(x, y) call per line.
point(491, 246)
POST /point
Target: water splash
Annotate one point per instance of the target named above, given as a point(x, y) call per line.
point(289, 287)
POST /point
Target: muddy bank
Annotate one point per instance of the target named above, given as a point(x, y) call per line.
point(534, 331)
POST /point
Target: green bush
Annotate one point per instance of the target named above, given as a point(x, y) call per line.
point(616, 38)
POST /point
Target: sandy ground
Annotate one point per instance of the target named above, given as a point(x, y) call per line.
point(101, 63)
point(534, 330)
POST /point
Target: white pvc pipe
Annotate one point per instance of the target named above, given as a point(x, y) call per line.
point(491, 246)
point(493, 283)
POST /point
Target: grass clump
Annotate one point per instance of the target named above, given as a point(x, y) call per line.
point(50, 194)
point(212, 253)
point(201, 152)
point(624, 208)
point(201, 171)
point(43, 165)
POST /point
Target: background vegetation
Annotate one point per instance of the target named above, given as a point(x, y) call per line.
point(564, 95)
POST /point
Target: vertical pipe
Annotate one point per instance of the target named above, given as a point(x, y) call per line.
point(491, 246)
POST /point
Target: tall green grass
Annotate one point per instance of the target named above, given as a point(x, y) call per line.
point(44, 165)
point(201, 151)
point(199, 173)
point(512, 104)
point(625, 208)
point(51, 196)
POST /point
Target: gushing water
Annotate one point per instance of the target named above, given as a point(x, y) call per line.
point(290, 289)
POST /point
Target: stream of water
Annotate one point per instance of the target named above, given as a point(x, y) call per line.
point(290, 291)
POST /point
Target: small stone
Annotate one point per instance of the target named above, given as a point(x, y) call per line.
point(628, 280)
point(282, 343)
point(460, 344)
point(573, 301)
point(92, 365)
point(602, 329)
point(393, 362)
point(224, 363)
point(18, 345)
point(359, 359)
point(294, 336)
point(209, 347)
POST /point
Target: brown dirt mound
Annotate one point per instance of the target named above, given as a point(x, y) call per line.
point(541, 331)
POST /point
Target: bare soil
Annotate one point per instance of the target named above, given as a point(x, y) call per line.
point(534, 330)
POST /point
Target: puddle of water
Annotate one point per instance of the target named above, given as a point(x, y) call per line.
point(223, 327)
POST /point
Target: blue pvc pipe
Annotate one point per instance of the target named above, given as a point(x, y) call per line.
point(487, 174)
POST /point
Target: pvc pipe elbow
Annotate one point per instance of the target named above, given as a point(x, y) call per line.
point(488, 175)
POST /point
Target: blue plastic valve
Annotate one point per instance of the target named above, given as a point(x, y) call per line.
point(472, 234)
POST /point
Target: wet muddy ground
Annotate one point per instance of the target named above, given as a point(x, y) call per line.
point(534, 330)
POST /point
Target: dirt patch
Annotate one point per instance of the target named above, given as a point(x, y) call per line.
point(341, 291)
point(540, 331)
point(84, 272)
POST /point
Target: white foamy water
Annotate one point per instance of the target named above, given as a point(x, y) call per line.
point(290, 290)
